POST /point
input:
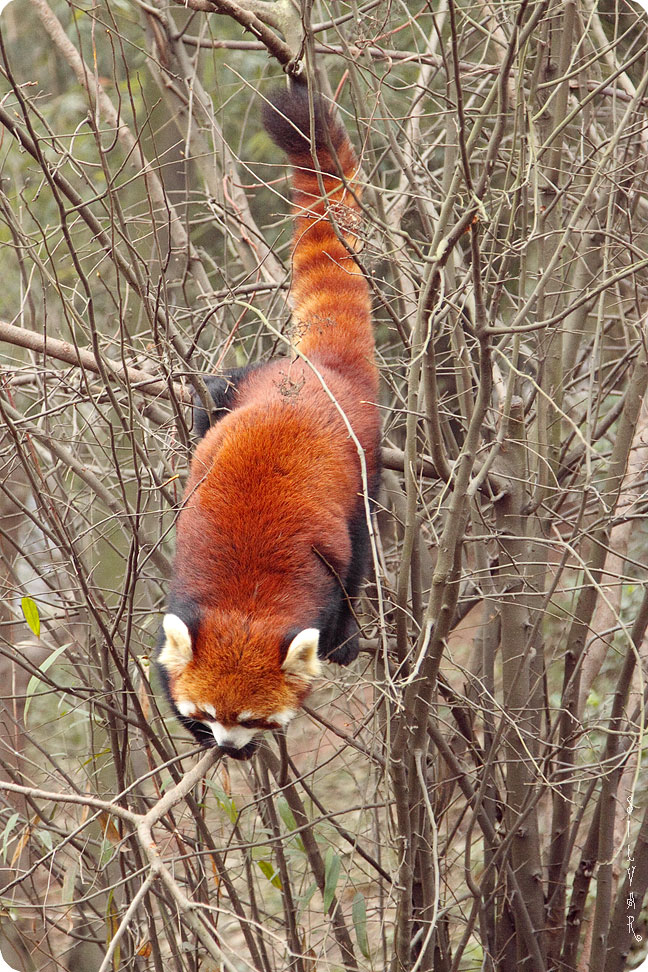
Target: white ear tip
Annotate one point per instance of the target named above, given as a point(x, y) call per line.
point(174, 627)
point(301, 658)
point(177, 651)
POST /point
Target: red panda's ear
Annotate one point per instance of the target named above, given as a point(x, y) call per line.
point(177, 651)
point(301, 658)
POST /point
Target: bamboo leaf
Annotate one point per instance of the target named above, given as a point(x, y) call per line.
point(11, 823)
point(45, 838)
point(359, 914)
point(35, 679)
point(331, 875)
point(270, 872)
point(305, 898)
point(286, 814)
point(288, 818)
point(31, 615)
point(69, 882)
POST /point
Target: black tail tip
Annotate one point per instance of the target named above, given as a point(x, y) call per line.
point(287, 119)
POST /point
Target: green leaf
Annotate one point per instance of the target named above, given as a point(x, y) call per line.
point(69, 881)
point(359, 913)
point(286, 813)
point(46, 838)
point(331, 875)
point(271, 873)
point(224, 801)
point(230, 807)
point(32, 617)
point(288, 818)
point(35, 680)
point(95, 756)
point(11, 823)
point(106, 853)
point(304, 899)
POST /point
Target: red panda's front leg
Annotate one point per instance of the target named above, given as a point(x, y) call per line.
point(223, 390)
point(340, 631)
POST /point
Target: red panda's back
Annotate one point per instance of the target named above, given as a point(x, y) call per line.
point(271, 483)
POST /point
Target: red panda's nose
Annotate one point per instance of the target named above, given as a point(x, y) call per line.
point(245, 752)
point(232, 737)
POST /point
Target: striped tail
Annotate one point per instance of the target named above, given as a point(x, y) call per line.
point(330, 296)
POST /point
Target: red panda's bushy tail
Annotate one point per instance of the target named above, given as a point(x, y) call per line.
point(330, 296)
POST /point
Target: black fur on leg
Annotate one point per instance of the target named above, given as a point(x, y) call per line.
point(222, 389)
point(347, 638)
point(339, 632)
point(338, 640)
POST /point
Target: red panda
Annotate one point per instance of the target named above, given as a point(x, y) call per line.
point(272, 539)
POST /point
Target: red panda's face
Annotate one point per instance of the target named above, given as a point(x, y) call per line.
point(231, 686)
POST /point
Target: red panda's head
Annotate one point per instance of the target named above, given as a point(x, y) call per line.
point(231, 678)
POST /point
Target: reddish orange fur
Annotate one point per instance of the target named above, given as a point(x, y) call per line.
point(279, 476)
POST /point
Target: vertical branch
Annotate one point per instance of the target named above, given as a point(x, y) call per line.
point(567, 723)
point(521, 737)
point(612, 763)
point(622, 932)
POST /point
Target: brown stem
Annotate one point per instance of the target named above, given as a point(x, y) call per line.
point(249, 21)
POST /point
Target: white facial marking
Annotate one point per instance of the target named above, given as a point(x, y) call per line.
point(185, 708)
point(235, 737)
point(283, 717)
point(301, 658)
point(246, 714)
point(209, 709)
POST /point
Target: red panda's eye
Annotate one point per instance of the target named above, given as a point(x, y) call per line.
point(250, 723)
